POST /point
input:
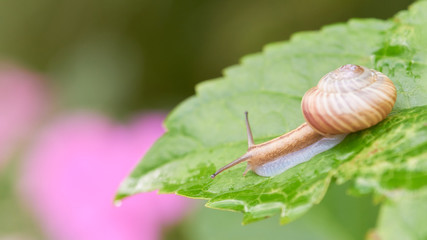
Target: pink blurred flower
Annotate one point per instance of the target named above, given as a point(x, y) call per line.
point(22, 103)
point(74, 171)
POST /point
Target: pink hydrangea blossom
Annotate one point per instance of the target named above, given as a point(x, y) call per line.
point(23, 101)
point(73, 172)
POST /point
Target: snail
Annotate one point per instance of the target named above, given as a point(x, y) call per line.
point(346, 100)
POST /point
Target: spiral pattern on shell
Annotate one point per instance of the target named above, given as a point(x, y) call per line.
point(348, 99)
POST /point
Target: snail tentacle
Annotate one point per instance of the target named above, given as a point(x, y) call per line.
point(249, 131)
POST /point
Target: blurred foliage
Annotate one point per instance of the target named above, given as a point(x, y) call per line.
point(339, 217)
point(159, 49)
point(15, 220)
point(403, 216)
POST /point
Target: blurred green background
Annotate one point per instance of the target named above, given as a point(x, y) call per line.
point(150, 54)
point(124, 57)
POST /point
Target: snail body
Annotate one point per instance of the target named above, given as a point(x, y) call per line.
point(346, 100)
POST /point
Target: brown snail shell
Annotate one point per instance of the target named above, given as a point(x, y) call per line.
point(348, 99)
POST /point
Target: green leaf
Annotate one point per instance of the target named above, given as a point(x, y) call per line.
point(389, 156)
point(207, 131)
